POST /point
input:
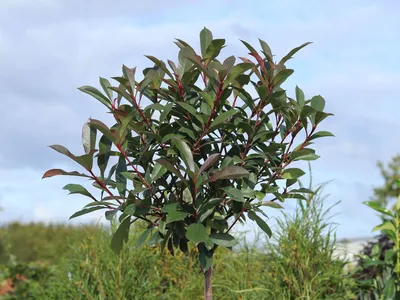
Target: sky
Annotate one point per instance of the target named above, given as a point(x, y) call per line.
point(48, 48)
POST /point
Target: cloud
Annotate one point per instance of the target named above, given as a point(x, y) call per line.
point(49, 48)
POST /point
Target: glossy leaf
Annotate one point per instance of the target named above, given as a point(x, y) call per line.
point(88, 138)
point(223, 239)
point(121, 235)
point(55, 172)
point(95, 93)
point(292, 52)
point(378, 208)
point(77, 189)
point(196, 233)
point(209, 162)
point(85, 211)
point(230, 172)
point(260, 222)
point(292, 173)
point(222, 118)
point(205, 39)
point(176, 216)
point(186, 153)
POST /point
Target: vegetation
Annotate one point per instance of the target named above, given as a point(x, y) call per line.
point(200, 153)
point(301, 265)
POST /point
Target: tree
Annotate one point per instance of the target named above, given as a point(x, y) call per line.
point(386, 193)
point(210, 148)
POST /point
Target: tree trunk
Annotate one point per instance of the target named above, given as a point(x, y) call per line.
point(208, 284)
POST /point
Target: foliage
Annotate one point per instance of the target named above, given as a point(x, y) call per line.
point(385, 194)
point(386, 282)
point(203, 153)
point(302, 255)
point(25, 280)
point(25, 242)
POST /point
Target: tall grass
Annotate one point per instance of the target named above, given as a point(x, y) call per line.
point(299, 263)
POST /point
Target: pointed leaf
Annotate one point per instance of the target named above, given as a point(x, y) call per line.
point(55, 172)
point(143, 237)
point(234, 194)
point(88, 138)
point(236, 71)
point(385, 226)
point(105, 84)
point(100, 126)
point(292, 52)
point(170, 167)
point(86, 211)
point(260, 222)
point(209, 162)
point(92, 91)
point(292, 173)
point(205, 39)
point(320, 134)
point(120, 179)
point(174, 216)
point(104, 153)
point(121, 235)
point(223, 239)
point(230, 172)
point(77, 189)
point(222, 118)
point(300, 96)
point(318, 103)
point(186, 153)
point(378, 208)
point(272, 204)
point(196, 233)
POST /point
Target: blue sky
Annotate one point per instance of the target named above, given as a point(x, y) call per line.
point(51, 47)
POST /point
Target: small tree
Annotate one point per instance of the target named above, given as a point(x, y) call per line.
point(209, 148)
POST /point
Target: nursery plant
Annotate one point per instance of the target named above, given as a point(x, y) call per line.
point(379, 272)
point(198, 146)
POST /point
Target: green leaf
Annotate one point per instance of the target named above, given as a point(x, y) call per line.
point(248, 46)
point(120, 179)
point(389, 291)
point(176, 216)
point(170, 167)
point(230, 172)
point(234, 193)
point(105, 84)
point(95, 93)
point(205, 39)
point(385, 226)
point(214, 48)
point(143, 237)
point(266, 49)
point(170, 207)
point(222, 118)
point(236, 71)
point(185, 152)
point(55, 172)
point(191, 110)
point(320, 134)
point(158, 171)
point(77, 189)
point(209, 162)
point(292, 52)
point(100, 126)
point(300, 96)
point(292, 173)
point(85, 211)
point(260, 222)
point(104, 154)
point(281, 77)
point(88, 138)
point(378, 208)
point(318, 103)
point(196, 233)
point(272, 204)
point(223, 239)
point(121, 235)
